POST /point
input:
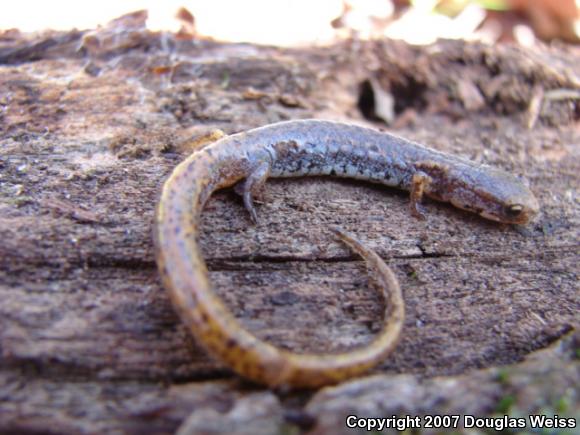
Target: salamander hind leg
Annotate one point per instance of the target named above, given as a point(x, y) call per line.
point(251, 186)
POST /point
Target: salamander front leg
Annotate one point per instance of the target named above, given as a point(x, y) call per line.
point(419, 183)
point(252, 186)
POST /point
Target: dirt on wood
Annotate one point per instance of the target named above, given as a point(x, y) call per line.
point(92, 123)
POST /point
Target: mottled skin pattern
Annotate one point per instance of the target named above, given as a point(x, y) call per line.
point(300, 148)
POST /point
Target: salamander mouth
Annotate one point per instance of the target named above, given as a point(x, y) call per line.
point(522, 217)
point(510, 214)
point(491, 216)
point(472, 209)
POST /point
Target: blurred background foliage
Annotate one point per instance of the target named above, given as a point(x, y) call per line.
point(306, 22)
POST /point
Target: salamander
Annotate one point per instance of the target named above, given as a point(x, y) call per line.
point(302, 148)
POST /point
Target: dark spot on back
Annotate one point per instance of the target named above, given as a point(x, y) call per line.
point(299, 165)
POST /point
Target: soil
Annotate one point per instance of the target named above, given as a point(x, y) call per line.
point(92, 123)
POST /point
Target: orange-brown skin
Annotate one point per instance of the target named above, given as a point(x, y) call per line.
point(298, 148)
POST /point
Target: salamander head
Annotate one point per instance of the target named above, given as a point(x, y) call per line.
point(491, 193)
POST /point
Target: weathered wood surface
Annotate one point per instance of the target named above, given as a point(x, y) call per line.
point(88, 340)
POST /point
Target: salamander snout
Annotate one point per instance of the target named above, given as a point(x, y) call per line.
point(493, 194)
point(521, 211)
point(511, 202)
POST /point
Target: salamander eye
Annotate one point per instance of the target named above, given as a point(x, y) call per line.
point(514, 210)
